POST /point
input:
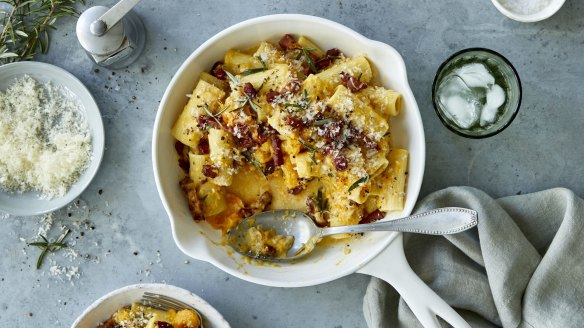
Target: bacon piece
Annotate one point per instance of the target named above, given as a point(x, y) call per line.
point(352, 83)
point(243, 135)
point(183, 155)
point(249, 90)
point(333, 131)
point(277, 154)
point(323, 63)
point(269, 167)
point(333, 52)
point(296, 190)
point(205, 121)
point(218, 72)
point(372, 217)
point(264, 132)
point(195, 206)
point(293, 86)
point(210, 171)
point(271, 96)
point(295, 122)
point(288, 42)
point(340, 162)
point(203, 146)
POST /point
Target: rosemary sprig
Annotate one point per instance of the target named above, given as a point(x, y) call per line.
point(309, 60)
point(257, 69)
point(26, 24)
point(322, 122)
point(358, 183)
point(248, 157)
point(49, 247)
point(247, 101)
point(214, 116)
point(232, 78)
point(312, 149)
point(301, 104)
point(321, 202)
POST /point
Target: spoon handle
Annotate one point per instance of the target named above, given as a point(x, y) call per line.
point(441, 221)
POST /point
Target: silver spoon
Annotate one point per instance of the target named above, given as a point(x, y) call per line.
point(306, 234)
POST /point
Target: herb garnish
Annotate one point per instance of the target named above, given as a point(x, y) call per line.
point(249, 158)
point(309, 59)
point(247, 101)
point(312, 151)
point(302, 103)
point(49, 247)
point(25, 26)
point(358, 183)
point(215, 116)
point(232, 78)
point(322, 122)
point(257, 69)
point(321, 202)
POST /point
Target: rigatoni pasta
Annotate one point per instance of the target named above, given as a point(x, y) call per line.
point(290, 126)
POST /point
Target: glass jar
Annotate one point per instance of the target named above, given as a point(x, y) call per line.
point(479, 66)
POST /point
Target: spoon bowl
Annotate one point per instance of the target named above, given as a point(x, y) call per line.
point(306, 235)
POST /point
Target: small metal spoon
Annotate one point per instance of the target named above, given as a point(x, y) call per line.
point(441, 221)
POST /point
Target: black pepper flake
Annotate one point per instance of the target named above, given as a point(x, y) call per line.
point(96, 70)
point(113, 73)
point(100, 191)
point(136, 253)
point(82, 233)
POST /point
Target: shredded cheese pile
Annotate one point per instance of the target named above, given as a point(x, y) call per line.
point(45, 142)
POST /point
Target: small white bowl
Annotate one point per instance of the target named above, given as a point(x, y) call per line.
point(31, 203)
point(103, 308)
point(545, 13)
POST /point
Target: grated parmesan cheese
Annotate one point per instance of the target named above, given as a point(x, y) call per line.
point(45, 142)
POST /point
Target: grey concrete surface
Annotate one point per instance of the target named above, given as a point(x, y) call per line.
point(123, 237)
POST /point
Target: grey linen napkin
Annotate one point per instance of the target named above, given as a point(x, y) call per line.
point(523, 266)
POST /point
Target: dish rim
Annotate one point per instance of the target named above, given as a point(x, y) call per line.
point(205, 309)
point(346, 32)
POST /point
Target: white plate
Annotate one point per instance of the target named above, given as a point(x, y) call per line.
point(103, 308)
point(29, 203)
point(202, 242)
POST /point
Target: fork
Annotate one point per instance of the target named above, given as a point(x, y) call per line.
point(166, 303)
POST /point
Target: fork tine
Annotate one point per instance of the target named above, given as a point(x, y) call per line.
point(166, 303)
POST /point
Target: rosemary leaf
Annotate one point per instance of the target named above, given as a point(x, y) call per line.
point(322, 122)
point(253, 71)
point(232, 78)
point(307, 145)
point(358, 183)
point(49, 247)
point(254, 106)
point(309, 60)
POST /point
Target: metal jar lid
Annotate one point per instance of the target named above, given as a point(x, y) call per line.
point(105, 44)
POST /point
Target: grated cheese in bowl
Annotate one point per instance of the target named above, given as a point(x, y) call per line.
point(45, 141)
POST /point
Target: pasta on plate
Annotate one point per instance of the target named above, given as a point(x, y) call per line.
point(290, 126)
